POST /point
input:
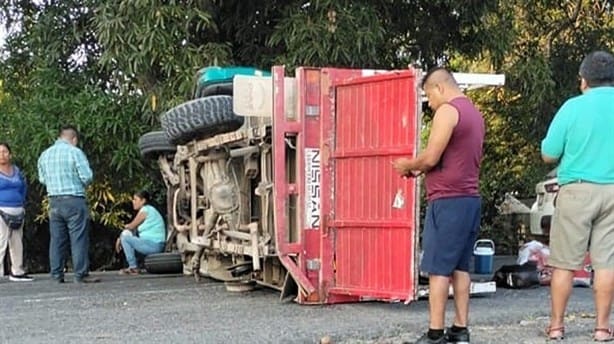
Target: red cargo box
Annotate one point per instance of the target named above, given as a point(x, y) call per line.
point(346, 224)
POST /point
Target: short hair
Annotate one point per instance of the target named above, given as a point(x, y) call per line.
point(6, 145)
point(597, 68)
point(143, 194)
point(438, 71)
point(69, 131)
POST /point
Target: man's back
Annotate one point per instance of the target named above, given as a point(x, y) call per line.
point(581, 133)
point(64, 170)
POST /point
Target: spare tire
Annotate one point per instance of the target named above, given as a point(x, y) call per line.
point(154, 143)
point(199, 119)
point(164, 263)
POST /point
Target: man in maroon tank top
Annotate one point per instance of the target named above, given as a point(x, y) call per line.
point(451, 163)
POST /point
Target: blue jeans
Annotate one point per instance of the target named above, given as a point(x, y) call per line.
point(68, 224)
point(132, 244)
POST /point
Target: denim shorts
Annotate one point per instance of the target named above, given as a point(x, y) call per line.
point(450, 230)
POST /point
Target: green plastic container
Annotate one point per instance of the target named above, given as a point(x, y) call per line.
point(218, 80)
point(210, 75)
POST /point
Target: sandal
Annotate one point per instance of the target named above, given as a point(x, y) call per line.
point(129, 271)
point(608, 331)
point(555, 333)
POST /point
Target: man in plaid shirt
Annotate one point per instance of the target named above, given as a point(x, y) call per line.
point(64, 170)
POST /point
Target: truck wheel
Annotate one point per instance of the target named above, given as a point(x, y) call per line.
point(199, 119)
point(155, 143)
point(164, 263)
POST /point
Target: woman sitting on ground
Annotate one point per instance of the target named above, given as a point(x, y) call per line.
point(145, 234)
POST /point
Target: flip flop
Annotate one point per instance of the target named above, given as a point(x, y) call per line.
point(129, 271)
point(555, 333)
point(608, 331)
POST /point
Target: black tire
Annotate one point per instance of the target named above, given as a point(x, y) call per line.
point(154, 143)
point(199, 119)
point(222, 88)
point(164, 263)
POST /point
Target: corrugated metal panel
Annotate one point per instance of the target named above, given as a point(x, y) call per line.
point(374, 211)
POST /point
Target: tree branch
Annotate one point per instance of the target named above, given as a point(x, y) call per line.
point(564, 25)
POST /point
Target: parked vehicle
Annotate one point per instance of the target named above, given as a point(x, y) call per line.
point(286, 182)
point(543, 207)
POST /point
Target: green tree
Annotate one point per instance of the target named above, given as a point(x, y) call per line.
point(157, 47)
point(51, 77)
point(544, 42)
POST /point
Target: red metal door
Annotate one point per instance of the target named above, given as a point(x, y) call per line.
point(372, 215)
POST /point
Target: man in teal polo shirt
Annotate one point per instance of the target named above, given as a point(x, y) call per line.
point(581, 139)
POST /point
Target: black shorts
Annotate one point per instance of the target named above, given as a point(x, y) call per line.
point(450, 230)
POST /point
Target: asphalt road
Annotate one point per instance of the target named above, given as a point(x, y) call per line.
point(176, 309)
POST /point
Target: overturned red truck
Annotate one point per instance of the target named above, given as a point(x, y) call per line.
point(286, 182)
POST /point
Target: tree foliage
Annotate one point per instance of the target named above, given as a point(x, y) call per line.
point(51, 76)
point(157, 47)
point(544, 43)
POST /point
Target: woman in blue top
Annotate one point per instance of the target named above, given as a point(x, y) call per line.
point(12, 201)
point(145, 234)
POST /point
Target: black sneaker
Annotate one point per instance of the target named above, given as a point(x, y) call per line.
point(57, 279)
point(457, 337)
point(88, 279)
point(20, 278)
point(426, 340)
